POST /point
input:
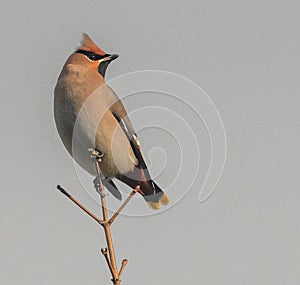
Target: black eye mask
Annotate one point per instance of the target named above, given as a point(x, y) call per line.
point(95, 57)
point(91, 55)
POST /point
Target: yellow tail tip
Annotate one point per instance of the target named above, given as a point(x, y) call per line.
point(154, 206)
point(164, 200)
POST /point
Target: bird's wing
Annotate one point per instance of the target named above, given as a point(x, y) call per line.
point(134, 143)
point(120, 114)
point(118, 109)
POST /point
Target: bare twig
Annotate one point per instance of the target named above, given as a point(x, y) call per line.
point(106, 225)
point(124, 263)
point(107, 222)
point(66, 193)
point(116, 214)
point(108, 252)
point(105, 253)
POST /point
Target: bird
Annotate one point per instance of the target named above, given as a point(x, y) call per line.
point(89, 114)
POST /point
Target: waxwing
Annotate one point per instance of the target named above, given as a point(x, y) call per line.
point(88, 114)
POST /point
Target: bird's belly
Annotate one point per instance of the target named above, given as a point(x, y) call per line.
point(103, 133)
point(90, 124)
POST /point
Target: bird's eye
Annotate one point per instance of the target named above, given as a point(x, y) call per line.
point(92, 57)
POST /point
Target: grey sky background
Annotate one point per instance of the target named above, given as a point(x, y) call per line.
point(244, 54)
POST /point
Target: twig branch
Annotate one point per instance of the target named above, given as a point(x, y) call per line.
point(124, 263)
point(113, 265)
point(116, 214)
point(67, 194)
point(106, 222)
point(105, 253)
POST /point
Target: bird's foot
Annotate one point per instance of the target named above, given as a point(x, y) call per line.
point(96, 154)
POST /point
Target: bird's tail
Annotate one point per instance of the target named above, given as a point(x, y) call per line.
point(157, 197)
point(152, 193)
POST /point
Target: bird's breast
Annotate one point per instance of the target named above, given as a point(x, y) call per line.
point(84, 121)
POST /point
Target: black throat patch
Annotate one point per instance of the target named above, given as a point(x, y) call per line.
point(103, 66)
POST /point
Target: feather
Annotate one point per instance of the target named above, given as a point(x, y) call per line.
point(88, 44)
point(112, 188)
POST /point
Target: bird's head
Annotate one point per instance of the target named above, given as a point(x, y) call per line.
point(92, 56)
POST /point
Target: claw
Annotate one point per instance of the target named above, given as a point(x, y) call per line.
point(95, 153)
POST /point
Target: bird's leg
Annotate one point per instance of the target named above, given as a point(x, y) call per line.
point(96, 183)
point(96, 154)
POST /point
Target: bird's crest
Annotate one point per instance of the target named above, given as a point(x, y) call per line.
point(88, 44)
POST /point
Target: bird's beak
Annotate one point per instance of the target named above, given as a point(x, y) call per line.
point(112, 57)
